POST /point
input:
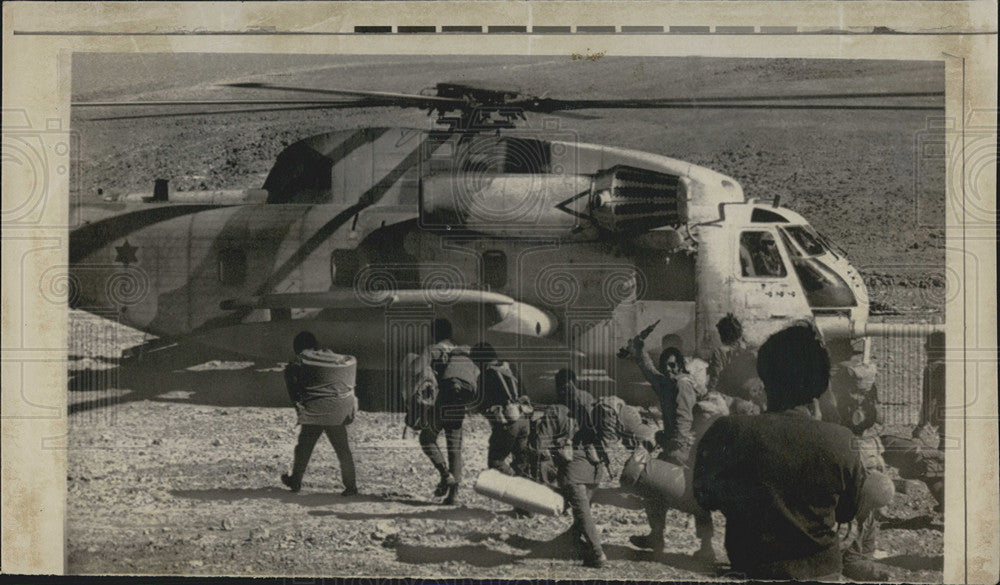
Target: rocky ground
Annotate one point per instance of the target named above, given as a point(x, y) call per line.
point(161, 486)
point(162, 483)
point(174, 470)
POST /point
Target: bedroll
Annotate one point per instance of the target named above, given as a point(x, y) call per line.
point(876, 492)
point(519, 492)
point(648, 477)
point(323, 368)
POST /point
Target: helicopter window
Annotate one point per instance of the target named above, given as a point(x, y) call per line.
point(793, 250)
point(829, 245)
point(759, 255)
point(300, 175)
point(232, 266)
point(494, 269)
point(765, 216)
point(823, 287)
point(806, 240)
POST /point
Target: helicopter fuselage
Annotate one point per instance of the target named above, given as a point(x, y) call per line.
point(574, 248)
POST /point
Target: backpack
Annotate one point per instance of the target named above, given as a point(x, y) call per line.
point(740, 367)
point(501, 389)
point(630, 427)
point(708, 408)
point(458, 380)
point(451, 376)
point(419, 392)
point(504, 378)
point(856, 396)
point(551, 434)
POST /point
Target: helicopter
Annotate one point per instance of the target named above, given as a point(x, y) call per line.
point(555, 251)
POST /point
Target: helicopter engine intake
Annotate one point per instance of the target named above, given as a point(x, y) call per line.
point(629, 200)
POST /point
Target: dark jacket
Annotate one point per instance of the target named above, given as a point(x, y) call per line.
point(731, 368)
point(783, 480)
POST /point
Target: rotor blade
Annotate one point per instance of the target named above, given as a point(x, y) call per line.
point(325, 106)
point(403, 99)
point(808, 96)
point(574, 115)
point(203, 103)
point(751, 102)
point(709, 106)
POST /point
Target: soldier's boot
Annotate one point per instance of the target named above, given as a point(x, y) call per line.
point(293, 483)
point(451, 498)
point(595, 560)
point(866, 570)
point(444, 486)
point(647, 541)
point(705, 554)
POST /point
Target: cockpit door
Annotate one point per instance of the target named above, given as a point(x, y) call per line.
point(764, 284)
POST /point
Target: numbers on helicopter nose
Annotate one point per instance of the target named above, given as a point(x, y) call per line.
point(779, 293)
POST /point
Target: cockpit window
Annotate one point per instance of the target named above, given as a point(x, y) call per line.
point(759, 255)
point(806, 239)
point(830, 245)
point(824, 288)
point(760, 215)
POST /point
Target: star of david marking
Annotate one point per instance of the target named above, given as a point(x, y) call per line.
point(126, 253)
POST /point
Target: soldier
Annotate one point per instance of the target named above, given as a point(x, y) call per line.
point(450, 372)
point(325, 403)
point(732, 369)
point(783, 479)
point(507, 410)
point(856, 397)
point(678, 396)
point(913, 458)
point(564, 439)
point(917, 461)
point(766, 259)
point(932, 404)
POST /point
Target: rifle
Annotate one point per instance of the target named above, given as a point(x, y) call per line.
point(626, 351)
point(603, 454)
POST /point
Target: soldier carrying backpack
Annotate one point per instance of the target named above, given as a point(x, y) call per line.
point(321, 386)
point(446, 382)
point(507, 410)
point(732, 369)
point(565, 445)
